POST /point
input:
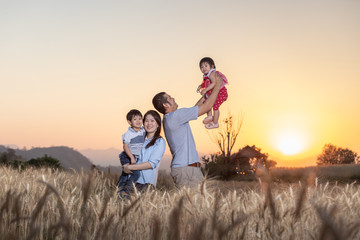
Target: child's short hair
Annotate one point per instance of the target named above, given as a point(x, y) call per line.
point(207, 60)
point(132, 113)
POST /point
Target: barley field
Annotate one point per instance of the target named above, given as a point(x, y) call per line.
point(45, 204)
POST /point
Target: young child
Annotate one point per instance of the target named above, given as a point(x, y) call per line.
point(207, 67)
point(133, 141)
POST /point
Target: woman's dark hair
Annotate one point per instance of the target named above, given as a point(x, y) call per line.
point(157, 118)
point(207, 60)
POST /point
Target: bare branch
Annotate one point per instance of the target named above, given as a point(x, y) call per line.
point(225, 137)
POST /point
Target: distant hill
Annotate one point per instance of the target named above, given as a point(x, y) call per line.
point(68, 157)
point(103, 157)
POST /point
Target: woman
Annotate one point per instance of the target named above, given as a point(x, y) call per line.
point(150, 156)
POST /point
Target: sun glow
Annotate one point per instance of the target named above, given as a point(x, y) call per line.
point(290, 142)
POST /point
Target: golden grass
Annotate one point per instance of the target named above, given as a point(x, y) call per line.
point(40, 204)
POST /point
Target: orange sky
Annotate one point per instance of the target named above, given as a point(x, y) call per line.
point(71, 71)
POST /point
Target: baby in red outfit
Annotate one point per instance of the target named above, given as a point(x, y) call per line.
point(207, 67)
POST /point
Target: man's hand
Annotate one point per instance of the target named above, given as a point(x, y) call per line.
point(133, 160)
point(215, 77)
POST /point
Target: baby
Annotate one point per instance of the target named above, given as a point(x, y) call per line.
point(207, 67)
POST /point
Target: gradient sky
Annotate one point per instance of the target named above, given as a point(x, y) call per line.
point(71, 70)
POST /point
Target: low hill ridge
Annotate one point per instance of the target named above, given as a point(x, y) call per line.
point(68, 157)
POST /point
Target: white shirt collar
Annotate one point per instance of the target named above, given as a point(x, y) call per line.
point(207, 75)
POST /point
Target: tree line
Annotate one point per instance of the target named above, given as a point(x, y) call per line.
point(332, 155)
point(9, 158)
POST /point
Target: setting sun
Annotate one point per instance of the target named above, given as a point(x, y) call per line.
point(290, 142)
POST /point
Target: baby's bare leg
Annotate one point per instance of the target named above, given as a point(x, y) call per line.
point(216, 116)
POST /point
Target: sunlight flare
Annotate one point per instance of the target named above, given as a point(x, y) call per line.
point(290, 142)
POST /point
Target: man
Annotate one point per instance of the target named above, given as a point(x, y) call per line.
point(185, 166)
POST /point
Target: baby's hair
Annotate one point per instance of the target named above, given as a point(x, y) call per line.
point(132, 113)
point(207, 60)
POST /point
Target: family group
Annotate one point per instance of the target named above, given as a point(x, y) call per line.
point(144, 147)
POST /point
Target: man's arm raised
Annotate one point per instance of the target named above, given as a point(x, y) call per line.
point(206, 106)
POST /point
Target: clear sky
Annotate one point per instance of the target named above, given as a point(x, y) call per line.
point(70, 70)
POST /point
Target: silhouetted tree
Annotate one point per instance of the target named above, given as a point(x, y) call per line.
point(241, 165)
point(45, 161)
point(270, 164)
point(10, 158)
point(226, 136)
point(332, 155)
point(4, 158)
point(217, 166)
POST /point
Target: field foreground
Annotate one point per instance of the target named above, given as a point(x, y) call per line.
point(41, 204)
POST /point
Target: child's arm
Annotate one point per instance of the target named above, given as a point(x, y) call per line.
point(211, 86)
point(199, 88)
point(127, 151)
